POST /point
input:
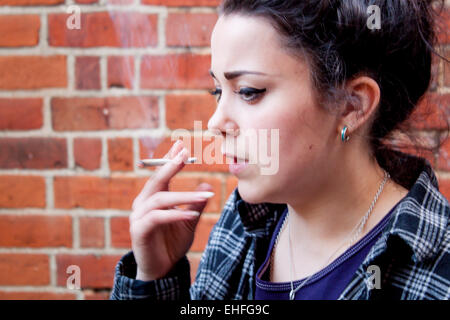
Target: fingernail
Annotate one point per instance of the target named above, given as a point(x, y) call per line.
point(192, 213)
point(176, 143)
point(180, 155)
point(206, 194)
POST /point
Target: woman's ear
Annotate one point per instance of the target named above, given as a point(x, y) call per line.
point(364, 95)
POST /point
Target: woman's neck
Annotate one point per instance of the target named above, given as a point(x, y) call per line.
point(341, 204)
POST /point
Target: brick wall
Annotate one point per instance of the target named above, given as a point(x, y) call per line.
point(78, 108)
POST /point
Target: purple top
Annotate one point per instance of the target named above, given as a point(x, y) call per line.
point(326, 284)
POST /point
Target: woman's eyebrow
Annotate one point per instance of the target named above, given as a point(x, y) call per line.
point(234, 74)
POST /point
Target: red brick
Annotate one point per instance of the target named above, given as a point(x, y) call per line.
point(21, 113)
point(96, 271)
point(33, 153)
point(87, 153)
point(184, 3)
point(156, 148)
point(176, 71)
point(30, 2)
point(96, 192)
point(24, 269)
point(443, 161)
point(120, 72)
point(87, 73)
point(22, 192)
point(19, 30)
point(86, 1)
point(105, 29)
point(432, 113)
point(120, 154)
point(231, 184)
point(84, 114)
point(92, 232)
point(202, 232)
point(120, 232)
point(447, 69)
point(444, 187)
point(183, 110)
point(180, 183)
point(35, 295)
point(443, 25)
point(35, 231)
point(96, 295)
point(189, 29)
point(33, 72)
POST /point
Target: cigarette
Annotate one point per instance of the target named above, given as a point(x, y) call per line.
point(160, 162)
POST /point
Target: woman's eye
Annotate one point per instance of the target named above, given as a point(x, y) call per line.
point(250, 94)
point(216, 92)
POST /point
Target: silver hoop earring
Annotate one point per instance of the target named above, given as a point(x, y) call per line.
point(343, 132)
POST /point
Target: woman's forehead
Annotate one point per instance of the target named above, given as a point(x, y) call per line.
point(245, 43)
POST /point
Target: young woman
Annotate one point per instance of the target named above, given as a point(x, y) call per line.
point(345, 217)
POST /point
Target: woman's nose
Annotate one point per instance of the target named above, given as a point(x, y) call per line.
point(221, 124)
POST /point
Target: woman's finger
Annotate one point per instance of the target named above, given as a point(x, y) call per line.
point(150, 187)
point(162, 217)
point(167, 199)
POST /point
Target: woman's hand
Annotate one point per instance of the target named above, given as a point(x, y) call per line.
point(161, 233)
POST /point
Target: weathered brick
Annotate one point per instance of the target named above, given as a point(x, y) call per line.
point(22, 191)
point(176, 71)
point(35, 231)
point(432, 113)
point(183, 110)
point(189, 29)
point(105, 29)
point(21, 114)
point(96, 192)
point(120, 154)
point(87, 153)
point(120, 71)
point(443, 161)
point(97, 271)
point(92, 233)
point(84, 114)
point(30, 2)
point(35, 295)
point(120, 232)
point(33, 153)
point(18, 269)
point(87, 73)
point(33, 72)
point(19, 30)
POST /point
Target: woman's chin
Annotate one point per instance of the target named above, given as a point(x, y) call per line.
point(250, 193)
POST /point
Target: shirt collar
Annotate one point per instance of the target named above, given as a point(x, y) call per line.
point(420, 219)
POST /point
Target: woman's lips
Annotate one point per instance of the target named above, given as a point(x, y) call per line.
point(237, 167)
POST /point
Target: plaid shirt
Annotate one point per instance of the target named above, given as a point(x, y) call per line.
point(413, 253)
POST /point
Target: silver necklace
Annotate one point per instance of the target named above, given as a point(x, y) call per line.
point(359, 226)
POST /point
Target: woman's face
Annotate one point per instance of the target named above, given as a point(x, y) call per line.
point(307, 134)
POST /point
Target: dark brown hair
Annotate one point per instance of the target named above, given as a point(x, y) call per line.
point(339, 45)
